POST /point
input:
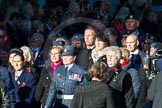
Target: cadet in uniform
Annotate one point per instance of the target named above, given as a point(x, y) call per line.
point(64, 81)
point(77, 41)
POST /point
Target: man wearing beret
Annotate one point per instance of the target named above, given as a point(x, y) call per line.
point(111, 33)
point(64, 81)
point(77, 41)
point(132, 25)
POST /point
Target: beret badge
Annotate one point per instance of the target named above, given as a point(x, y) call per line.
point(65, 50)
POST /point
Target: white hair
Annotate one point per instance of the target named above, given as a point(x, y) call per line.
point(115, 49)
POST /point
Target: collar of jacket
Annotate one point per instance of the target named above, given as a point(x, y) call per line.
point(96, 56)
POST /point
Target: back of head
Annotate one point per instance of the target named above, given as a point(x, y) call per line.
point(97, 70)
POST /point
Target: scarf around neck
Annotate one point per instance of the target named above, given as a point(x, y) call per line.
point(55, 65)
point(97, 55)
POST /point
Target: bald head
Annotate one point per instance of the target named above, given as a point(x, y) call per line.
point(132, 42)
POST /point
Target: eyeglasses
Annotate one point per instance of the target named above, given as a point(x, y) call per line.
point(112, 56)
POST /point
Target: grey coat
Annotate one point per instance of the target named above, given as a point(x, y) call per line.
point(94, 94)
point(135, 78)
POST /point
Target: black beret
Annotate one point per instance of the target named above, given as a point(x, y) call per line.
point(77, 36)
point(131, 16)
point(58, 43)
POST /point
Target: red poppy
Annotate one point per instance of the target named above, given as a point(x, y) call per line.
point(23, 84)
point(28, 69)
point(58, 75)
point(41, 53)
point(116, 69)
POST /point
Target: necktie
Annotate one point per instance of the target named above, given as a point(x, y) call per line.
point(34, 52)
point(66, 69)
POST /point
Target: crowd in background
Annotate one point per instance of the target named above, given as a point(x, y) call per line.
point(103, 43)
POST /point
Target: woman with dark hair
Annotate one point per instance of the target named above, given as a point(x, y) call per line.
point(21, 78)
point(96, 93)
point(99, 52)
point(11, 54)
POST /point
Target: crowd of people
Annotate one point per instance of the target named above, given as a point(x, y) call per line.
point(80, 54)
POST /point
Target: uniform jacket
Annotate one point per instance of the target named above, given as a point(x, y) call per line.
point(26, 79)
point(123, 88)
point(62, 84)
point(4, 97)
point(154, 92)
point(94, 94)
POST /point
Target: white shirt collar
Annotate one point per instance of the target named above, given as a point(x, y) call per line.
point(135, 52)
point(17, 74)
point(69, 66)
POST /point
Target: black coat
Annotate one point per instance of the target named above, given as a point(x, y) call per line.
point(93, 95)
point(83, 58)
point(101, 59)
point(121, 83)
point(4, 97)
point(43, 85)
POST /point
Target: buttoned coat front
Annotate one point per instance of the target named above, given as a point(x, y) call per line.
point(44, 85)
point(26, 79)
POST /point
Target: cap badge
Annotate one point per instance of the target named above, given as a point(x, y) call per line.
point(65, 50)
point(131, 16)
